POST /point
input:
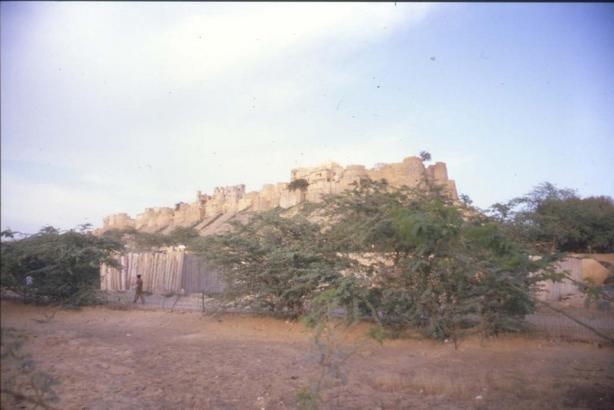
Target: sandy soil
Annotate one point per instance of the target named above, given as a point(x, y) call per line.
point(153, 359)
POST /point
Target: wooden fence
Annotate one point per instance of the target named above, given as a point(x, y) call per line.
point(171, 270)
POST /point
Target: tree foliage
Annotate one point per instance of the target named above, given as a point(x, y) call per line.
point(560, 219)
point(279, 262)
point(405, 257)
point(146, 241)
point(64, 266)
point(443, 270)
point(182, 235)
point(300, 184)
point(425, 156)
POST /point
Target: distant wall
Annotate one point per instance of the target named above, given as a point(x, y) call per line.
point(331, 178)
point(595, 268)
point(171, 270)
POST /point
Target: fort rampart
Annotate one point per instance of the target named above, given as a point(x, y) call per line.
point(209, 211)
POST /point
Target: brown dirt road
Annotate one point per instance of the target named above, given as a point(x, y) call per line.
point(154, 359)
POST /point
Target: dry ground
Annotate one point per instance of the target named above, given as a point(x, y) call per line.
point(154, 359)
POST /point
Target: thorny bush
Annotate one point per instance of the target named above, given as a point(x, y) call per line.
point(408, 258)
point(56, 267)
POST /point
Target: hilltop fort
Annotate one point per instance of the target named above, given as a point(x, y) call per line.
point(209, 212)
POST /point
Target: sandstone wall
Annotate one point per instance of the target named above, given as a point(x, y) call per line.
point(187, 214)
point(329, 178)
point(118, 221)
point(154, 219)
point(409, 172)
point(592, 268)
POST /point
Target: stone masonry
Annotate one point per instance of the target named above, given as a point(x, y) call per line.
point(226, 202)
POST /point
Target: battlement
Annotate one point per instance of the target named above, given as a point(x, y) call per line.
point(234, 190)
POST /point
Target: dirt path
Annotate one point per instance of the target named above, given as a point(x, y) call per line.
point(154, 359)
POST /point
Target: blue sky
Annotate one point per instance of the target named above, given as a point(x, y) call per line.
point(111, 107)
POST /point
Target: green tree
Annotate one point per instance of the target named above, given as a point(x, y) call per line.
point(405, 257)
point(433, 266)
point(182, 236)
point(64, 266)
point(146, 241)
point(425, 156)
point(561, 220)
point(277, 263)
point(300, 184)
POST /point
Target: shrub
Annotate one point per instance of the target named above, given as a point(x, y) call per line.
point(278, 263)
point(300, 184)
point(64, 266)
point(440, 269)
point(560, 220)
point(406, 257)
point(146, 241)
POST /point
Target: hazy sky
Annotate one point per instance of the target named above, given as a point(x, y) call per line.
point(111, 107)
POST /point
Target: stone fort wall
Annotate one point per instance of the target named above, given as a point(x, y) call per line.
point(225, 202)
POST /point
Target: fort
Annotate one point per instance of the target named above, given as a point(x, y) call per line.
point(209, 212)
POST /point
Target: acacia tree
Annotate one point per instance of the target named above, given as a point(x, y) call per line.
point(406, 257)
point(560, 219)
point(64, 266)
point(146, 241)
point(278, 263)
point(440, 269)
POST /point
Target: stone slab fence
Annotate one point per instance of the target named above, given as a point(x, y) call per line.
point(179, 280)
point(597, 269)
point(168, 271)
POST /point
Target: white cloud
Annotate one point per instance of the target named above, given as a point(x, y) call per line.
point(137, 44)
point(206, 45)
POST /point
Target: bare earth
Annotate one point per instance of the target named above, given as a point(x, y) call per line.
point(154, 359)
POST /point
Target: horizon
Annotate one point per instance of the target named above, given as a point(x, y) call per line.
point(117, 107)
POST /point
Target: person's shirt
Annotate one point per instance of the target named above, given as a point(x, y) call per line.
point(139, 284)
point(29, 280)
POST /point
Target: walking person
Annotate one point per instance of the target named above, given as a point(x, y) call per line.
point(139, 290)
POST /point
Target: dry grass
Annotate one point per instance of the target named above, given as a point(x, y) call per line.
point(426, 383)
point(120, 358)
